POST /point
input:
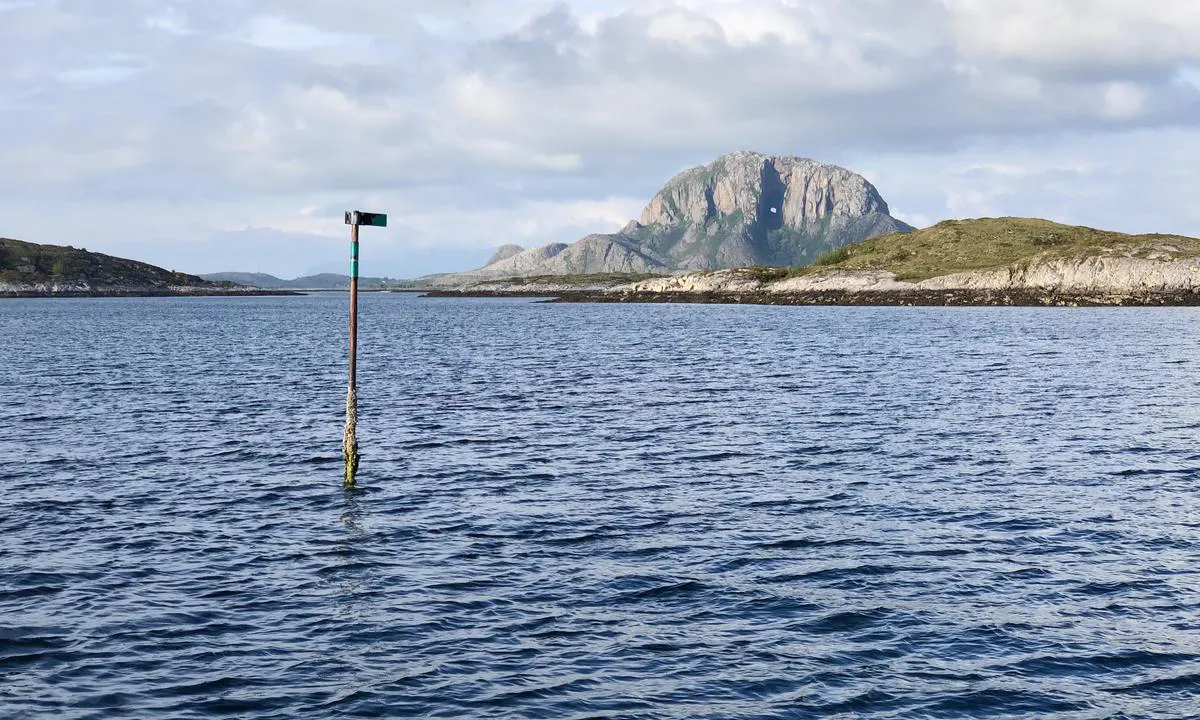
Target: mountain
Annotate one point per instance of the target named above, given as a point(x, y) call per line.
point(30, 269)
point(321, 281)
point(750, 209)
point(261, 280)
point(504, 252)
point(744, 209)
point(324, 281)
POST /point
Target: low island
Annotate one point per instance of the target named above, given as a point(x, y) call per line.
point(1002, 261)
point(987, 261)
point(33, 270)
point(755, 228)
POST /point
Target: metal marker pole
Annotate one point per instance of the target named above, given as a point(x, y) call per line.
point(350, 437)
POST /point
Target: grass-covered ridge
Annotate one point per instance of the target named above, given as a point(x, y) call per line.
point(29, 263)
point(955, 246)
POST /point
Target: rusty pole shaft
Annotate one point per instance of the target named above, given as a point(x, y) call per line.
point(353, 307)
point(350, 437)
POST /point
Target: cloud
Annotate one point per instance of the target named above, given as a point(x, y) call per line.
point(483, 121)
point(1087, 38)
point(1134, 182)
point(822, 75)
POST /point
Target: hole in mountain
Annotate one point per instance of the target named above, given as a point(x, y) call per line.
point(769, 217)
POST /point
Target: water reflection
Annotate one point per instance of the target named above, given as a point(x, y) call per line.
point(352, 571)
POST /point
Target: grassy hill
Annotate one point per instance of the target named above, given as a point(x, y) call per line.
point(955, 246)
point(25, 263)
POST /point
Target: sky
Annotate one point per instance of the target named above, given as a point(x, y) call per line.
point(213, 135)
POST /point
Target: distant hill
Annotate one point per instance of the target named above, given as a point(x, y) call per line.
point(261, 280)
point(30, 269)
point(743, 209)
point(322, 281)
point(1007, 243)
point(504, 252)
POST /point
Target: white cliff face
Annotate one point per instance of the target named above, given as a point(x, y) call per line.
point(1118, 275)
point(1100, 275)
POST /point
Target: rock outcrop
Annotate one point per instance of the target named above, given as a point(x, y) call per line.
point(1114, 276)
point(504, 252)
point(521, 264)
point(750, 209)
point(595, 254)
point(1120, 275)
point(744, 209)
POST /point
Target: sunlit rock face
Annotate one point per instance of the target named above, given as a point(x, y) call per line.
point(744, 209)
point(752, 209)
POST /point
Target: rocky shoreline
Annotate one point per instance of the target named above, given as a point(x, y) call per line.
point(915, 298)
point(30, 293)
point(1167, 276)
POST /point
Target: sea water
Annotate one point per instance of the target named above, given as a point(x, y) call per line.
point(586, 511)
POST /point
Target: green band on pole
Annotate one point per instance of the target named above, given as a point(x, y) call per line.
point(353, 267)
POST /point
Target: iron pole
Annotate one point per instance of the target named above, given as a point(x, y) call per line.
point(350, 436)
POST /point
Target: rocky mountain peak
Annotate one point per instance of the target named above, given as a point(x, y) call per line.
point(743, 209)
point(504, 252)
point(775, 191)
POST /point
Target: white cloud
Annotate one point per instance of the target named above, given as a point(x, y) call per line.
point(1105, 35)
point(917, 220)
point(528, 223)
point(483, 122)
point(276, 33)
point(1123, 100)
point(1134, 182)
point(692, 30)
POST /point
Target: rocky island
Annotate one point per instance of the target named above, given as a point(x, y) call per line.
point(744, 209)
point(33, 270)
point(784, 230)
point(988, 261)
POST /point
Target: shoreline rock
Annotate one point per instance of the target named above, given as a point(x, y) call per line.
point(79, 290)
point(876, 298)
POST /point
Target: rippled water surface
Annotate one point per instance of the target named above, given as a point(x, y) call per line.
point(584, 511)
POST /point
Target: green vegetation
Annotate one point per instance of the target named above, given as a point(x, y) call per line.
point(955, 246)
point(29, 263)
point(833, 257)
